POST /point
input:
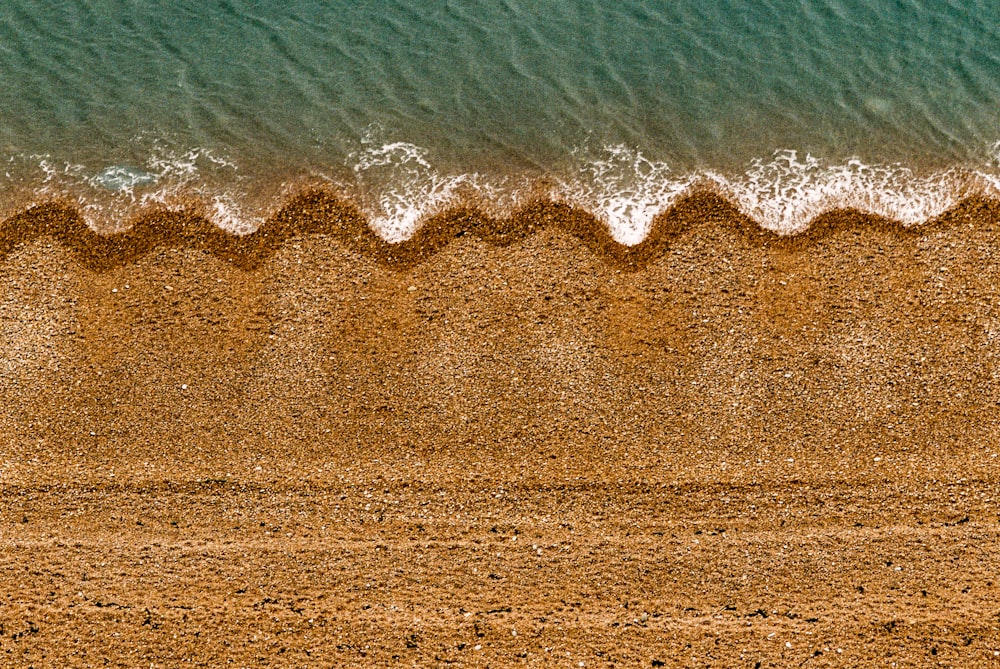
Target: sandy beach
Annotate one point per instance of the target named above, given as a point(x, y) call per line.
point(502, 443)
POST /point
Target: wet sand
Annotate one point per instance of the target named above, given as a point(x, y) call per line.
point(506, 442)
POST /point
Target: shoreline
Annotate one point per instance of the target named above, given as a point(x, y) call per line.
point(504, 442)
point(316, 211)
point(399, 193)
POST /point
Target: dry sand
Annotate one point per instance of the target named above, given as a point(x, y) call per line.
point(503, 443)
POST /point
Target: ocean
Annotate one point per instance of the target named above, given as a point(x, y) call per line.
point(788, 107)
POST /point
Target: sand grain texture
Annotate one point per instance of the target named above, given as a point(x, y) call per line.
point(500, 448)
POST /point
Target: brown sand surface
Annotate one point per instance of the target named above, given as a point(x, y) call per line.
point(504, 444)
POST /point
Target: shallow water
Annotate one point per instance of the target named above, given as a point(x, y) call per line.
point(790, 108)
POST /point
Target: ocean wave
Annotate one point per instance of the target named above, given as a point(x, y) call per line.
point(400, 187)
point(624, 189)
point(318, 211)
point(787, 192)
point(627, 191)
point(397, 188)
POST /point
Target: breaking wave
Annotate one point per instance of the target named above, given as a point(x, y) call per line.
point(397, 187)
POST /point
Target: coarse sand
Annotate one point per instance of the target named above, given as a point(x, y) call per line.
point(504, 442)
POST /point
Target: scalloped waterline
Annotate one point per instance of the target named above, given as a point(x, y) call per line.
point(623, 191)
point(321, 212)
point(782, 195)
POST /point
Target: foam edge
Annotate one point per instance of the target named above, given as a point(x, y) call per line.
point(318, 211)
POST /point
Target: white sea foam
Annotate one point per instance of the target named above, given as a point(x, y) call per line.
point(56, 171)
point(990, 184)
point(204, 176)
point(398, 186)
point(185, 164)
point(401, 187)
point(787, 192)
point(988, 180)
point(109, 198)
point(625, 190)
point(226, 213)
point(122, 178)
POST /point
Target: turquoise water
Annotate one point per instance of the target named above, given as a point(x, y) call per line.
point(790, 106)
